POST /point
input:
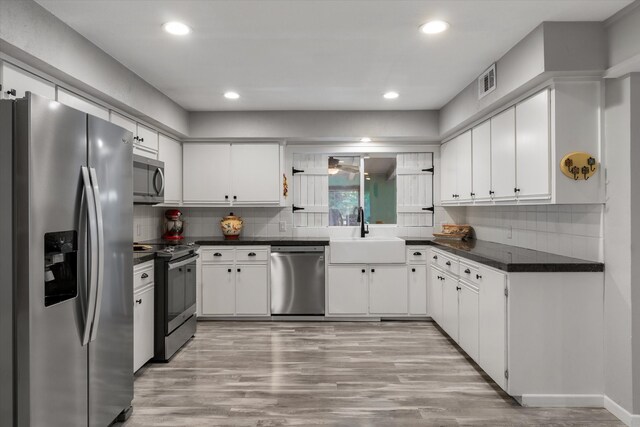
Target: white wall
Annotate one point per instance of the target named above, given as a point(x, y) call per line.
point(621, 149)
point(569, 230)
point(34, 36)
point(316, 125)
point(623, 33)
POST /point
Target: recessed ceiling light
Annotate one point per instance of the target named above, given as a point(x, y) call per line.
point(391, 95)
point(231, 95)
point(434, 27)
point(176, 28)
point(365, 139)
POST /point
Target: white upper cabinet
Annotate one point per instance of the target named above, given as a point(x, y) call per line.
point(255, 172)
point(206, 172)
point(448, 167)
point(124, 122)
point(237, 174)
point(463, 167)
point(516, 154)
point(533, 147)
point(147, 138)
point(170, 152)
point(79, 103)
point(503, 155)
point(481, 164)
point(16, 81)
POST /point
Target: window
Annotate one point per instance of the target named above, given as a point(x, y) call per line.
point(344, 190)
point(380, 200)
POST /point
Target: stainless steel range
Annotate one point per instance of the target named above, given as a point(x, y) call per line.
point(175, 307)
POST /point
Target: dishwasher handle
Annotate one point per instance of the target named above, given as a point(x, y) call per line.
point(297, 249)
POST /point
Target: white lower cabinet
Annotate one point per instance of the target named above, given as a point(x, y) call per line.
point(434, 298)
point(417, 290)
point(347, 289)
point(143, 314)
point(492, 324)
point(468, 319)
point(450, 306)
point(388, 293)
point(252, 289)
point(231, 284)
point(218, 289)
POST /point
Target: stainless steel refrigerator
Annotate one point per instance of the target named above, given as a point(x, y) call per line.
point(66, 301)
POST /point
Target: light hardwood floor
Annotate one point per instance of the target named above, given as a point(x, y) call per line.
point(338, 374)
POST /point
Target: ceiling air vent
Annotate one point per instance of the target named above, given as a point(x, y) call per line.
point(487, 82)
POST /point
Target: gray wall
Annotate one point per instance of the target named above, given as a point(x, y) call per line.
point(301, 125)
point(551, 49)
point(34, 36)
point(623, 32)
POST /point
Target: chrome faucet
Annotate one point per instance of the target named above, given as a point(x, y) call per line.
point(364, 227)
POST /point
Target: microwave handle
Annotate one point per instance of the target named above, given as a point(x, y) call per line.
point(155, 187)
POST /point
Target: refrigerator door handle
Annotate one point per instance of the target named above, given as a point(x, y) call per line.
point(100, 227)
point(92, 278)
point(155, 187)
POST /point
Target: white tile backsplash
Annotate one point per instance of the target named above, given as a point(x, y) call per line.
point(570, 230)
point(147, 222)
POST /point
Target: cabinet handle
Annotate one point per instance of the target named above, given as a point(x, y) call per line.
point(226, 197)
point(239, 270)
point(141, 139)
point(516, 190)
point(435, 257)
point(478, 276)
point(467, 271)
point(373, 270)
point(139, 301)
point(417, 254)
point(228, 270)
point(413, 270)
point(144, 276)
point(491, 192)
point(458, 288)
point(252, 254)
point(448, 263)
point(235, 197)
point(217, 254)
point(364, 271)
point(11, 92)
point(473, 194)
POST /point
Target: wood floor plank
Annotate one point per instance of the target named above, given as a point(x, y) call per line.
point(331, 374)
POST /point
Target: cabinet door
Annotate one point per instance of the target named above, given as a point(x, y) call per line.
point(82, 104)
point(170, 152)
point(463, 167)
point(417, 290)
point(124, 122)
point(469, 320)
point(21, 81)
point(348, 289)
point(252, 290)
point(218, 290)
point(255, 170)
point(388, 289)
point(532, 147)
point(448, 176)
point(450, 306)
point(435, 295)
point(143, 303)
point(147, 137)
point(206, 171)
point(503, 155)
point(481, 161)
point(492, 314)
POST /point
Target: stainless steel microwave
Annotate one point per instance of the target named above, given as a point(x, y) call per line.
point(148, 180)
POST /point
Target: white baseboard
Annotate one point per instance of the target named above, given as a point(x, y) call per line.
point(632, 420)
point(562, 400)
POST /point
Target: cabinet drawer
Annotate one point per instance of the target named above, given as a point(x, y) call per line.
point(217, 255)
point(143, 276)
point(447, 263)
point(469, 272)
point(251, 255)
point(416, 255)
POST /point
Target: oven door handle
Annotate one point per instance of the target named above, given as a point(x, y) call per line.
point(174, 265)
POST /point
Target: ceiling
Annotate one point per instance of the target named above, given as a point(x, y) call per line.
point(314, 54)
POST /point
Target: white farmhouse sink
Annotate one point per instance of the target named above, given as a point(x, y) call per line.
point(368, 250)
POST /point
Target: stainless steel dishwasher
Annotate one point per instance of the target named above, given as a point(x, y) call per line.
point(297, 280)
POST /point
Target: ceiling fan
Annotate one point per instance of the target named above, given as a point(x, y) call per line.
point(336, 165)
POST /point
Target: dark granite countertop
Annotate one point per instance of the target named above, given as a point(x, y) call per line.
point(502, 257)
point(140, 257)
point(512, 258)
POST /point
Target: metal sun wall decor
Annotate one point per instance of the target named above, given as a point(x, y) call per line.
point(579, 165)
